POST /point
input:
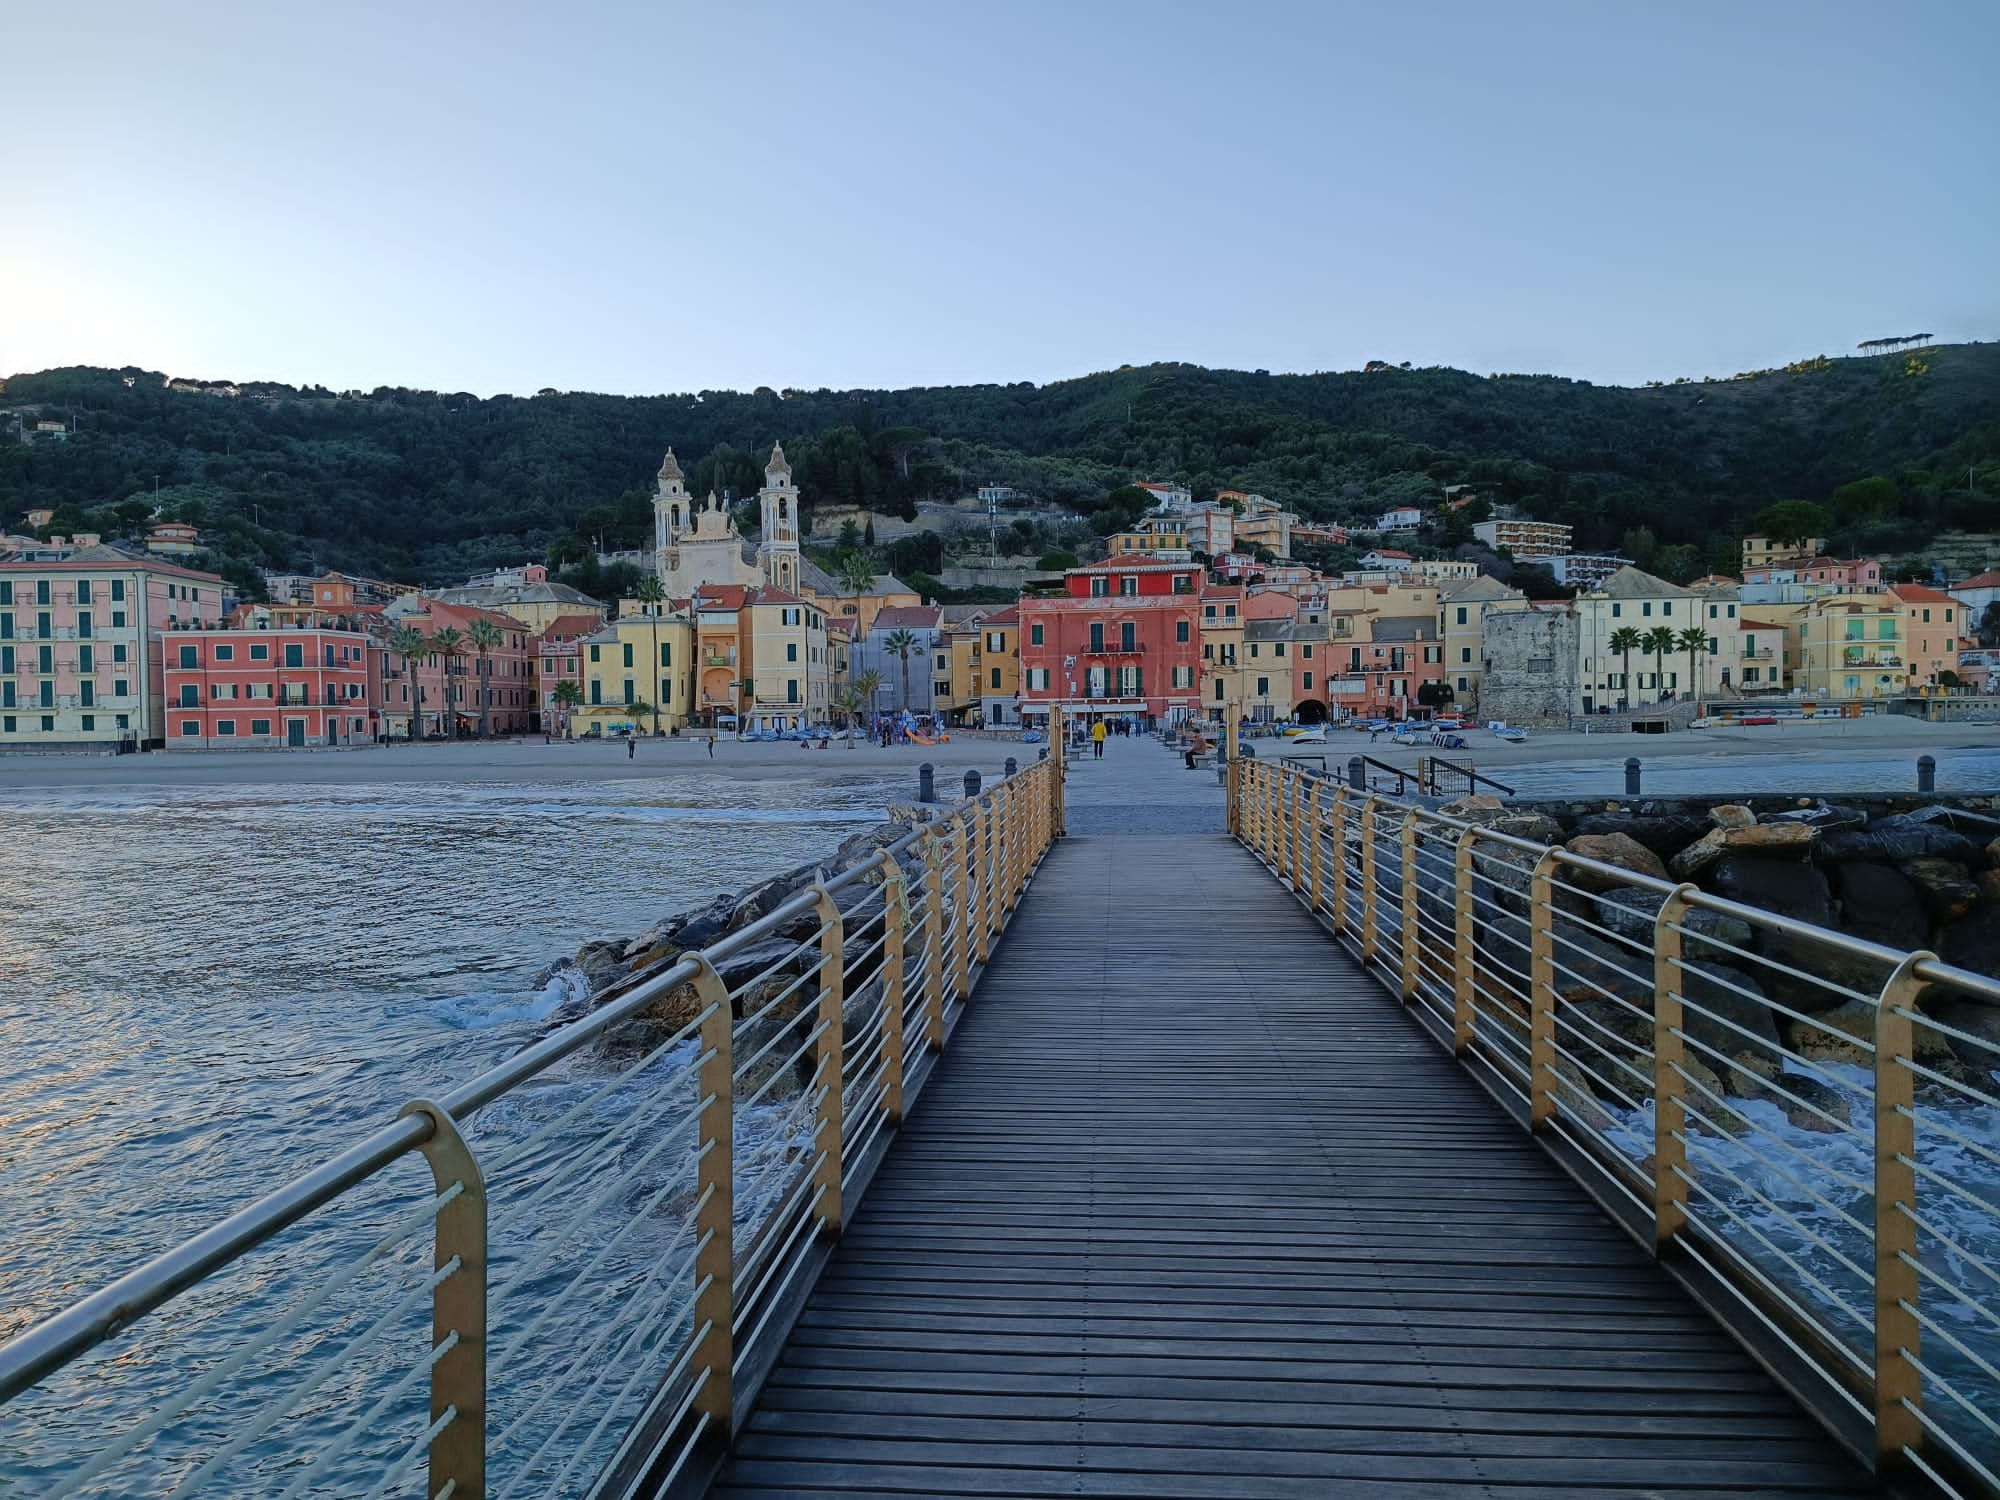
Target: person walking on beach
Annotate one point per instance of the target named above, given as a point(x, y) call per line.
point(632, 747)
point(1097, 737)
point(711, 746)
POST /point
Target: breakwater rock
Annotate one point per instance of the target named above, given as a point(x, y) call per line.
point(1906, 873)
point(769, 980)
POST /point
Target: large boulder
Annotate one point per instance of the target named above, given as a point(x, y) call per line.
point(1725, 1011)
point(1666, 834)
point(1827, 817)
point(1732, 815)
point(1973, 942)
point(1879, 904)
point(1475, 806)
point(1756, 840)
point(1943, 886)
point(1901, 836)
point(1633, 913)
point(1589, 967)
point(1799, 891)
point(1978, 1019)
point(1837, 1035)
point(1620, 851)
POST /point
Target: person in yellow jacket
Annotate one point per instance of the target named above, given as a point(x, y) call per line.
point(1097, 734)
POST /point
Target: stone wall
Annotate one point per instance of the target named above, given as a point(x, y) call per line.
point(1530, 666)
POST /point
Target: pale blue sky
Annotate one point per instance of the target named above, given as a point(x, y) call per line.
point(648, 197)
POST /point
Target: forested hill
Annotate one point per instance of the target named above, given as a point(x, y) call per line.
point(425, 485)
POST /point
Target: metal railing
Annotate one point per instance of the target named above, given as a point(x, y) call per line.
point(617, 1226)
point(1804, 1126)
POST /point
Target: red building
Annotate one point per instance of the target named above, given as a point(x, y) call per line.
point(294, 677)
point(1123, 638)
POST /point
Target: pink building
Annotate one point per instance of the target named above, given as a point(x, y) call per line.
point(1860, 575)
point(286, 676)
point(1123, 638)
point(81, 626)
point(559, 659)
point(446, 692)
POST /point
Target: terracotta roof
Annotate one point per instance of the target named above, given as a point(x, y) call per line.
point(1388, 552)
point(1987, 580)
point(1746, 623)
point(563, 627)
point(1916, 593)
point(720, 596)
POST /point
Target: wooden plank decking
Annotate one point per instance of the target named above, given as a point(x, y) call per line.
point(1191, 1209)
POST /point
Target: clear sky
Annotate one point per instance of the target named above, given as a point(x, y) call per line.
point(650, 196)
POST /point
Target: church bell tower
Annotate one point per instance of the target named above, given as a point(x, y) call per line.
point(778, 551)
point(673, 514)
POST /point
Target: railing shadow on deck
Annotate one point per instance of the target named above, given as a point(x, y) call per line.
point(1776, 1110)
point(619, 1224)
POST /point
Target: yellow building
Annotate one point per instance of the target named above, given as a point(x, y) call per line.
point(1164, 538)
point(1846, 646)
point(787, 681)
point(646, 656)
point(1760, 551)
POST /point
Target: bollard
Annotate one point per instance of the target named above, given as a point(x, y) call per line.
point(1357, 773)
point(926, 783)
point(1631, 775)
point(1012, 767)
point(1926, 774)
point(972, 783)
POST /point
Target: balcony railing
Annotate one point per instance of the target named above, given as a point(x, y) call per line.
point(1136, 649)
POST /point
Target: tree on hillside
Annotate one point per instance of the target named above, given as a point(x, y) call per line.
point(1790, 522)
point(411, 644)
point(1694, 641)
point(1625, 640)
point(483, 635)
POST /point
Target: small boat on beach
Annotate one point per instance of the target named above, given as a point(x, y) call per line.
point(1511, 736)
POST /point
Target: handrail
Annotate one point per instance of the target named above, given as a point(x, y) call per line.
point(1637, 1050)
point(907, 951)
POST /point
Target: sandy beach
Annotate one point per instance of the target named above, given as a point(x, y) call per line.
point(516, 761)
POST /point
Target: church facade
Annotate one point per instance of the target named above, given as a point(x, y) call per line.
point(696, 544)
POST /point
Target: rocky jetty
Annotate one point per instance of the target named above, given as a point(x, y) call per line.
point(1923, 876)
point(768, 970)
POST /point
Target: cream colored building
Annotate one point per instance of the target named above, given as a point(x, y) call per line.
point(645, 656)
point(697, 546)
point(1760, 551)
point(1637, 600)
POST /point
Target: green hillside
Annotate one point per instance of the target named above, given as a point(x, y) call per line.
point(425, 486)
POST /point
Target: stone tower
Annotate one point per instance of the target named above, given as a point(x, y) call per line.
point(778, 551)
point(673, 515)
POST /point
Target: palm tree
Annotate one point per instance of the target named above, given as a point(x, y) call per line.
point(410, 643)
point(866, 686)
point(448, 643)
point(650, 592)
point(903, 644)
point(1625, 640)
point(569, 694)
point(1693, 640)
point(857, 573)
point(1660, 640)
point(848, 701)
point(484, 635)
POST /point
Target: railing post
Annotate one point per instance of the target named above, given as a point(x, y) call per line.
point(982, 906)
point(961, 910)
point(1370, 934)
point(1542, 993)
point(715, 1220)
point(1412, 928)
point(934, 949)
point(1899, 1386)
point(1059, 777)
point(458, 1307)
point(1462, 992)
point(895, 928)
point(1670, 1187)
point(1232, 741)
point(830, 1063)
point(1337, 837)
point(1315, 853)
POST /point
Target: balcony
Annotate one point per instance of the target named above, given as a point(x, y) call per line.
point(718, 659)
point(1132, 650)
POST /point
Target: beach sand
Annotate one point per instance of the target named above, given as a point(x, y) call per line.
point(528, 759)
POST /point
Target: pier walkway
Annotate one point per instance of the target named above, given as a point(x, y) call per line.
point(1192, 1208)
